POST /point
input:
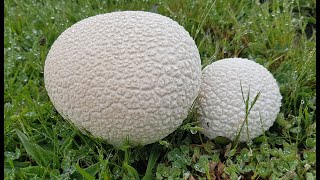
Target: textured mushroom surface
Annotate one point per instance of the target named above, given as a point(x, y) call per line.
point(119, 75)
point(221, 106)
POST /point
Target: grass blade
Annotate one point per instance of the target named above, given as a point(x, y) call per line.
point(84, 173)
point(151, 162)
point(131, 171)
point(41, 156)
point(255, 100)
point(39, 171)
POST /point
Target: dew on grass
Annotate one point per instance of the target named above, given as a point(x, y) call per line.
point(30, 114)
point(17, 48)
point(186, 175)
point(22, 102)
point(197, 166)
point(295, 76)
point(8, 105)
point(193, 131)
point(19, 58)
point(307, 166)
point(282, 167)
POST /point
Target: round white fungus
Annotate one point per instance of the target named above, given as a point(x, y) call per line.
point(124, 75)
point(223, 95)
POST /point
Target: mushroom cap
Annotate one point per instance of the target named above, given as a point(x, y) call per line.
point(120, 75)
point(220, 103)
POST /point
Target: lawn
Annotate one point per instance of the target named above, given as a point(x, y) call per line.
point(278, 34)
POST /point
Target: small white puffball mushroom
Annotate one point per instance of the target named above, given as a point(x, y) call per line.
point(221, 106)
point(124, 75)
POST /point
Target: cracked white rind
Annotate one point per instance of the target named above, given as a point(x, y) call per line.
point(220, 103)
point(119, 75)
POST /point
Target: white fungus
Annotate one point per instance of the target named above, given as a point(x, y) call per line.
point(120, 75)
point(220, 103)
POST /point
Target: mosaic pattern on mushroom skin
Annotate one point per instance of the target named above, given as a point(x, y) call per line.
point(122, 74)
point(220, 104)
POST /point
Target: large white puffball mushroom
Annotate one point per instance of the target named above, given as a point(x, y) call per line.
point(221, 106)
point(124, 75)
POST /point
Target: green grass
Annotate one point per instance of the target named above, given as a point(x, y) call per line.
point(40, 144)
